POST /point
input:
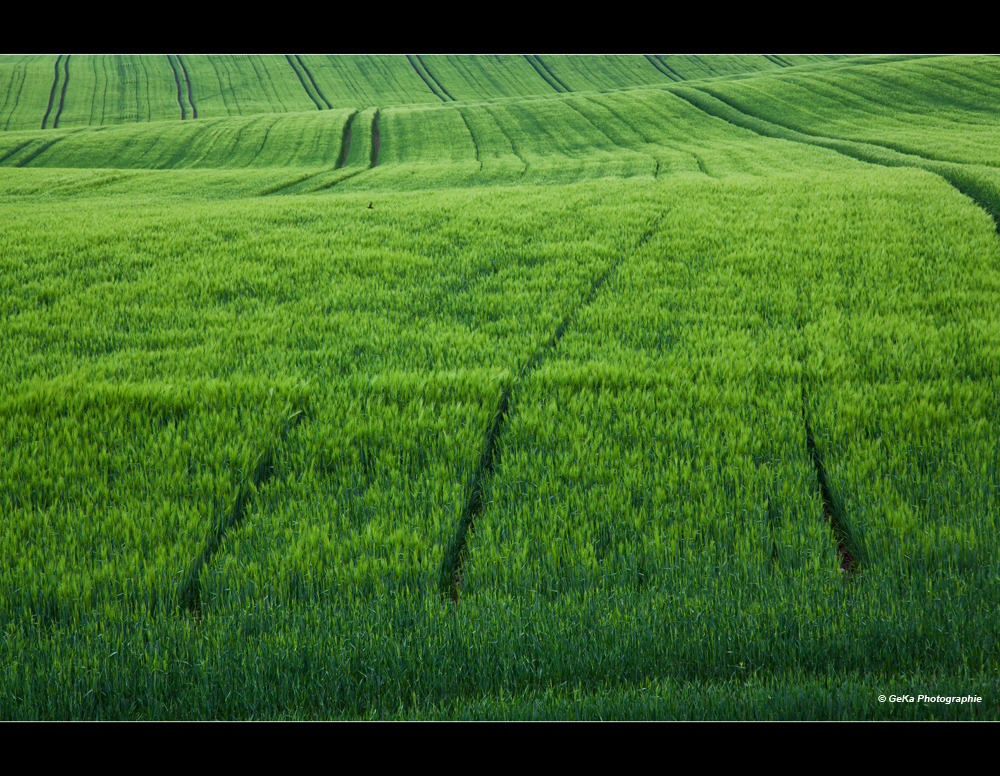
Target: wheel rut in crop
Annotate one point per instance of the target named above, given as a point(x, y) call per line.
point(546, 74)
point(376, 139)
point(832, 510)
point(662, 68)
point(669, 68)
point(19, 147)
point(288, 184)
point(331, 184)
point(187, 80)
point(472, 135)
point(52, 93)
point(345, 140)
point(424, 76)
point(457, 552)
point(955, 174)
point(189, 593)
point(313, 82)
point(701, 164)
point(62, 93)
point(302, 81)
point(177, 81)
point(42, 148)
point(430, 75)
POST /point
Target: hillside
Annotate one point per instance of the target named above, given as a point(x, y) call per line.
point(440, 387)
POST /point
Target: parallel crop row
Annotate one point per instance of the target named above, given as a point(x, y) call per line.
point(106, 89)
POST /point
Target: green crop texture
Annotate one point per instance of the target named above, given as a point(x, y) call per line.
point(499, 387)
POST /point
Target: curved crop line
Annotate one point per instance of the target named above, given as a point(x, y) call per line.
point(509, 140)
point(708, 66)
point(701, 164)
point(62, 94)
point(551, 74)
point(146, 81)
point(10, 85)
point(636, 129)
point(861, 97)
point(91, 184)
point(216, 64)
point(472, 135)
point(345, 140)
point(855, 150)
point(615, 143)
point(187, 80)
point(120, 151)
point(189, 592)
point(431, 76)
point(17, 98)
point(313, 81)
point(330, 185)
point(52, 93)
point(177, 81)
point(263, 142)
point(17, 148)
point(376, 139)
point(272, 120)
point(457, 552)
point(251, 124)
point(847, 549)
point(303, 82)
point(669, 68)
point(266, 79)
point(40, 150)
point(660, 67)
point(545, 75)
point(571, 104)
point(137, 162)
point(289, 184)
point(418, 71)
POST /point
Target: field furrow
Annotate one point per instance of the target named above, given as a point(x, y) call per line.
point(421, 71)
point(431, 387)
point(177, 80)
point(52, 93)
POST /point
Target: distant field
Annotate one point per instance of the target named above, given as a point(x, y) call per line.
point(636, 387)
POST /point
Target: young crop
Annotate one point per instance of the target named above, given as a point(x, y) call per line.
point(522, 386)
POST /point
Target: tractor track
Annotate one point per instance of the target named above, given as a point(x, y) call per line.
point(62, 93)
point(177, 81)
point(345, 140)
point(187, 80)
point(669, 68)
point(303, 82)
point(870, 153)
point(313, 82)
point(189, 592)
point(376, 139)
point(546, 74)
point(435, 80)
point(52, 93)
point(661, 67)
point(457, 552)
point(832, 511)
point(472, 135)
point(418, 70)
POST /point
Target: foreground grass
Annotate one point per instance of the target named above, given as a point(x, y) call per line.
point(582, 419)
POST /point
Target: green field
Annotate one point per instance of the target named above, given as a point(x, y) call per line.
point(499, 387)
